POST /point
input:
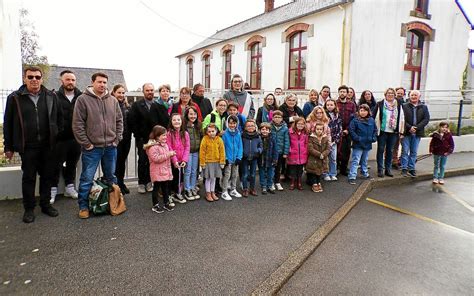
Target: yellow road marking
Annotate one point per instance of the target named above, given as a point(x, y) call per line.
point(453, 196)
point(406, 212)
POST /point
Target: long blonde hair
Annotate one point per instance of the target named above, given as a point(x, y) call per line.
point(312, 116)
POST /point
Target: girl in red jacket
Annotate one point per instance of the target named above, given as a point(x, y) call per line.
point(441, 146)
point(298, 152)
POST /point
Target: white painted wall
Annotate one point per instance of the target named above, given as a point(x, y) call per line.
point(10, 53)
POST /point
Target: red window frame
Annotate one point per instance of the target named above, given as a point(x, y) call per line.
point(189, 72)
point(227, 68)
point(412, 46)
point(256, 59)
point(207, 72)
point(300, 70)
point(422, 6)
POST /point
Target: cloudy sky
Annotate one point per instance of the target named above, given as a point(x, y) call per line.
point(143, 41)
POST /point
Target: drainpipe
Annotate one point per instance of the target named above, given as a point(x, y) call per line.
point(343, 45)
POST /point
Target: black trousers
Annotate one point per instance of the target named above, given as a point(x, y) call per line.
point(344, 154)
point(165, 191)
point(294, 171)
point(67, 151)
point(36, 161)
point(279, 169)
point(143, 164)
point(123, 149)
point(313, 179)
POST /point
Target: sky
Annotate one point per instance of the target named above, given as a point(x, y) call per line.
point(129, 36)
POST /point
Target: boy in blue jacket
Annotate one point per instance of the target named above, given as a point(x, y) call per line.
point(233, 154)
point(252, 144)
point(268, 160)
point(282, 137)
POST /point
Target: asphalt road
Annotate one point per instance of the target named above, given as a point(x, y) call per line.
point(379, 251)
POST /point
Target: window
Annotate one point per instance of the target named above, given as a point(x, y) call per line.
point(189, 72)
point(207, 71)
point(421, 6)
point(297, 61)
point(413, 59)
point(227, 68)
point(256, 66)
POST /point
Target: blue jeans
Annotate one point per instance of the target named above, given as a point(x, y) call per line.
point(409, 148)
point(439, 164)
point(90, 161)
point(249, 168)
point(190, 171)
point(385, 144)
point(359, 156)
point(266, 174)
point(333, 161)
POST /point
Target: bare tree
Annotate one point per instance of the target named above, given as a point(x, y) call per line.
point(29, 42)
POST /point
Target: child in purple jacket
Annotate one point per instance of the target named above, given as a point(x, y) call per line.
point(441, 145)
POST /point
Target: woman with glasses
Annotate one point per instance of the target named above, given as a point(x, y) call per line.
point(239, 95)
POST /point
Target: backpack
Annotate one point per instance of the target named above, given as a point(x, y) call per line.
point(99, 198)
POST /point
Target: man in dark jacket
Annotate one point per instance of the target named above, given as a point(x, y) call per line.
point(198, 98)
point(66, 148)
point(31, 124)
point(347, 109)
point(417, 117)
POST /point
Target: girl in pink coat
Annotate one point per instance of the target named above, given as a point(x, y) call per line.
point(298, 155)
point(160, 158)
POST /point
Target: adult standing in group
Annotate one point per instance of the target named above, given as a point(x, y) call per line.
point(66, 149)
point(400, 97)
point(97, 125)
point(31, 123)
point(123, 148)
point(389, 120)
point(347, 109)
point(265, 112)
point(240, 96)
point(185, 101)
point(198, 97)
point(417, 117)
point(290, 109)
point(351, 95)
point(141, 123)
point(324, 95)
point(164, 98)
point(367, 97)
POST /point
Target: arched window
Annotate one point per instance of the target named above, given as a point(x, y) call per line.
point(207, 71)
point(421, 6)
point(227, 68)
point(189, 72)
point(413, 59)
point(256, 66)
point(297, 61)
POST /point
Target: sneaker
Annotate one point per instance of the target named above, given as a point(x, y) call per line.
point(436, 181)
point(367, 176)
point(352, 181)
point(54, 192)
point(412, 173)
point(327, 178)
point(49, 210)
point(195, 193)
point(404, 173)
point(272, 188)
point(84, 214)
point(235, 193)
point(315, 188)
point(188, 195)
point(149, 187)
point(441, 181)
point(29, 216)
point(157, 209)
point(141, 188)
point(70, 191)
point(225, 196)
point(178, 198)
point(320, 188)
point(170, 202)
point(333, 178)
point(279, 187)
point(168, 207)
point(264, 191)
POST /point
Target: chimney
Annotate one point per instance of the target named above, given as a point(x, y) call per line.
point(269, 5)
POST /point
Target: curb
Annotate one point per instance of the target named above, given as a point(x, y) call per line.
point(273, 283)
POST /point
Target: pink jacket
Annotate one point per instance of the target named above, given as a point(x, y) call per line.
point(181, 148)
point(160, 161)
point(298, 148)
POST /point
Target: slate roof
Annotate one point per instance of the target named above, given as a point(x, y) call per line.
point(282, 14)
point(83, 77)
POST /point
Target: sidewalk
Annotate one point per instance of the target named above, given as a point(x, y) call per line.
point(199, 248)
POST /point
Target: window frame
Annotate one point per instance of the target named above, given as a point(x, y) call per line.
point(227, 68)
point(189, 72)
point(300, 70)
point(257, 72)
point(411, 47)
point(207, 71)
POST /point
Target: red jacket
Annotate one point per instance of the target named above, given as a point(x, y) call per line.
point(346, 112)
point(440, 145)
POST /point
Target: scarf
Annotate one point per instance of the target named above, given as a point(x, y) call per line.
point(390, 115)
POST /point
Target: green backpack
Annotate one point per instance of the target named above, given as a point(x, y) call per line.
point(99, 198)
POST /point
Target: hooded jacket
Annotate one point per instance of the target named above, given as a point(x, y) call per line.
point(315, 164)
point(440, 145)
point(97, 121)
point(363, 133)
point(233, 145)
point(216, 118)
point(160, 161)
point(252, 145)
point(212, 150)
point(282, 138)
point(67, 108)
point(298, 148)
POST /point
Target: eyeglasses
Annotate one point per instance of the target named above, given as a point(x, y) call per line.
point(31, 77)
point(237, 81)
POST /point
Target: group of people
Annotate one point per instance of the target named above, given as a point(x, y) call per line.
point(180, 139)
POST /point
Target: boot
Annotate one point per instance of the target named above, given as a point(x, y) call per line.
point(292, 184)
point(209, 197)
point(300, 186)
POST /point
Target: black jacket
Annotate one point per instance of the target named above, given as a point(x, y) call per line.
point(67, 108)
point(204, 104)
point(159, 115)
point(127, 133)
point(422, 118)
point(286, 114)
point(140, 120)
point(25, 125)
point(379, 108)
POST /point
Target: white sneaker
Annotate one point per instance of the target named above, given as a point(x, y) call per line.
point(333, 178)
point(225, 196)
point(149, 187)
point(141, 188)
point(279, 187)
point(272, 188)
point(327, 178)
point(70, 191)
point(235, 193)
point(54, 192)
point(195, 194)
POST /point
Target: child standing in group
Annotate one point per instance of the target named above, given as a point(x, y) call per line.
point(268, 159)
point(178, 140)
point(441, 145)
point(193, 127)
point(298, 154)
point(233, 155)
point(212, 159)
point(233, 109)
point(318, 151)
point(363, 133)
point(252, 148)
point(335, 125)
point(160, 158)
point(280, 132)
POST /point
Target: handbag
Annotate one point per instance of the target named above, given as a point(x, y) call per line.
point(116, 201)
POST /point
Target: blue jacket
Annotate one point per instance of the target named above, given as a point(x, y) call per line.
point(269, 156)
point(282, 139)
point(233, 145)
point(252, 144)
point(363, 133)
point(308, 108)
